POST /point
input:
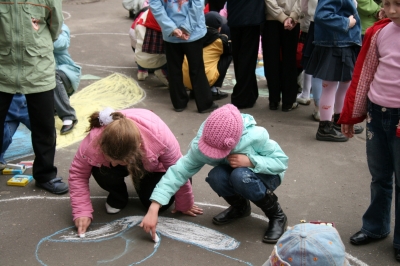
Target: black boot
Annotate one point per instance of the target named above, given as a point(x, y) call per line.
point(240, 207)
point(277, 219)
point(357, 128)
point(326, 132)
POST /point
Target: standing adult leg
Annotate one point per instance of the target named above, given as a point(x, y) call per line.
point(288, 73)
point(177, 91)
point(198, 78)
point(271, 43)
point(41, 116)
point(245, 42)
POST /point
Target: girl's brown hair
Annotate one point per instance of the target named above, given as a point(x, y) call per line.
point(120, 140)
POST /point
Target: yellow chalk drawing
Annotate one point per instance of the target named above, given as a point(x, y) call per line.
point(117, 91)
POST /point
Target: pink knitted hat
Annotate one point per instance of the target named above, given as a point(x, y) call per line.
point(222, 131)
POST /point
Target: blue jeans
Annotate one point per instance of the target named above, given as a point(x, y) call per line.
point(383, 157)
point(227, 181)
point(17, 113)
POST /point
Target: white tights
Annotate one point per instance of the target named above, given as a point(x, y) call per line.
point(332, 98)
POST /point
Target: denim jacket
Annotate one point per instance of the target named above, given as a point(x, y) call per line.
point(332, 24)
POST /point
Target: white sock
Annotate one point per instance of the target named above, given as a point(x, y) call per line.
point(213, 89)
point(67, 122)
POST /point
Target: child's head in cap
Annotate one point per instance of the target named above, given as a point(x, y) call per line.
point(309, 244)
point(213, 20)
point(221, 132)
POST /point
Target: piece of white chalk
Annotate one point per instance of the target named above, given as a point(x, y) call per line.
point(82, 235)
point(156, 239)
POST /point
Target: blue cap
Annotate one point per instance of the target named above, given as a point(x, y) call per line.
point(309, 244)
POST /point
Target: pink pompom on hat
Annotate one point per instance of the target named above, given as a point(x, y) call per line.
point(221, 132)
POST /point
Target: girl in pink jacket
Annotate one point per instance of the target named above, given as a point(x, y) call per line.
point(133, 142)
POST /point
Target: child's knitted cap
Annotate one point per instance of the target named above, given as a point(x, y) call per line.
point(221, 132)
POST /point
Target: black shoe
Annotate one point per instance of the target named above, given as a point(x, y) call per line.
point(218, 95)
point(273, 105)
point(397, 254)
point(210, 109)
point(326, 132)
point(290, 107)
point(55, 186)
point(360, 238)
point(65, 129)
point(240, 207)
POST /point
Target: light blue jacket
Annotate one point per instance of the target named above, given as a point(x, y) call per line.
point(174, 14)
point(265, 154)
point(63, 59)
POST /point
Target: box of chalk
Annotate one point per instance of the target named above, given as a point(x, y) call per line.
point(19, 180)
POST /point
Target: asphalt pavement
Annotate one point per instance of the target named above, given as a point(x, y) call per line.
point(325, 181)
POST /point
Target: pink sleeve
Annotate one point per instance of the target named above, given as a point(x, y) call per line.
point(78, 181)
point(223, 12)
point(184, 198)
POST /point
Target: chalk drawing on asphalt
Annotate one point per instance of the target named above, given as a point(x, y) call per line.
point(126, 229)
point(120, 227)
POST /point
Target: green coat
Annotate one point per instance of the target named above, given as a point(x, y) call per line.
point(367, 10)
point(28, 29)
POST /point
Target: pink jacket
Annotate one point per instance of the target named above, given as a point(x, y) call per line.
point(161, 150)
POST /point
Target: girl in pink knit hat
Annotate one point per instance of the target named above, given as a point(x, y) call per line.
point(248, 166)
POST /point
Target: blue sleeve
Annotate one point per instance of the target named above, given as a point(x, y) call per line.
point(63, 41)
point(196, 11)
point(160, 14)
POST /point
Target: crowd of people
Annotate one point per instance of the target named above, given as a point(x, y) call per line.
point(350, 59)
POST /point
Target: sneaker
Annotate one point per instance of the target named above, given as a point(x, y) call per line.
point(218, 94)
point(326, 132)
point(2, 166)
point(55, 186)
point(290, 108)
point(315, 115)
point(160, 75)
point(303, 101)
point(142, 75)
point(111, 210)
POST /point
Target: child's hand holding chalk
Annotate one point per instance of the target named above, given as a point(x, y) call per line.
point(156, 239)
point(82, 224)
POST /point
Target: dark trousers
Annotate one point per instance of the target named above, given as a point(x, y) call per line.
point(245, 42)
point(216, 5)
point(175, 53)
point(43, 132)
point(279, 50)
point(113, 180)
point(223, 65)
